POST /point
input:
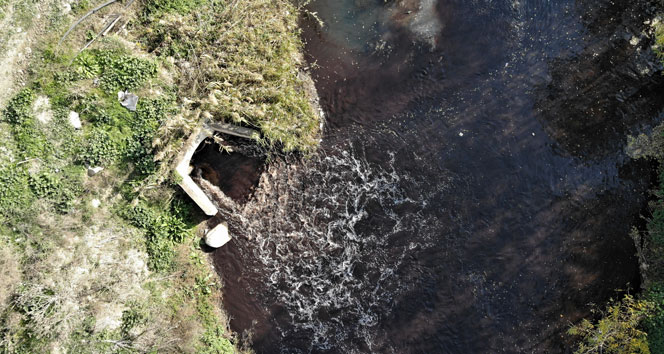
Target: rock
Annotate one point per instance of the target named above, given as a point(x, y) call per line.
point(95, 203)
point(74, 120)
point(218, 236)
point(94, 170)
point(128, 100)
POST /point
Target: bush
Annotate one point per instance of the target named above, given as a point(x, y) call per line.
point(618, 330)
point(654, 324)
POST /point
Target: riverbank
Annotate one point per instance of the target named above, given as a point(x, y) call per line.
point(635, 323)
point(100, 247)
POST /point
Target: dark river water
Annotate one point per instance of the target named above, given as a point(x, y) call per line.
point(471, 193)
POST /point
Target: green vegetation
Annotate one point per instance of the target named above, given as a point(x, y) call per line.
point(237, 62)
point(163, 231)
point(111, 262)
point(618, 330)
point(637, 325)
point(45, 194)
point(116, 70)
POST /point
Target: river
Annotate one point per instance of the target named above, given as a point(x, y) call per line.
point(471, 193)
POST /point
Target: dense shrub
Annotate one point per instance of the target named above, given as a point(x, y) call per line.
point(618, 330)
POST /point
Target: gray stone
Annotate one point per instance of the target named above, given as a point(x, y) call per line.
point(218, 236)
point(94, 170)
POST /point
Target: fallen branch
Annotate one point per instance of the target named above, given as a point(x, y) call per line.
point(28, 160)
point(91, 12)
point(101, 33)
point(104, 30)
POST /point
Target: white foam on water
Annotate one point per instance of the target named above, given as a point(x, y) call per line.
point(325, 258)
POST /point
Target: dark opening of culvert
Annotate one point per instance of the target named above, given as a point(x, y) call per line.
point(235, 168)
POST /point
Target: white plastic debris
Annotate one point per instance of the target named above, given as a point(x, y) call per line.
point(128, 100)
point(95, 203)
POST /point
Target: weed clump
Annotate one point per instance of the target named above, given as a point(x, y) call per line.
point(116, 70)
point(163, 230)
point(15, 196)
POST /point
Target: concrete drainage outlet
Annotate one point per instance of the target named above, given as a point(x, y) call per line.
point(218, 236)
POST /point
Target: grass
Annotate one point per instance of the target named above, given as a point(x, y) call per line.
point(60, 299)
point(237, 62)
point(129, 276)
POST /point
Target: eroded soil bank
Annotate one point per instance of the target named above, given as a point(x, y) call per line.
point(472, 193)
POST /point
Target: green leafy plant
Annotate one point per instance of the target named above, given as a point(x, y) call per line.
point(153, 9)
point(163, 231)
point(18, 113)
point(135, 316)
point(149, 116)
point(100, 148)
point(15, 195)
point(654, 324)
point(617, 331)
point(45, 184)
point(117, 70)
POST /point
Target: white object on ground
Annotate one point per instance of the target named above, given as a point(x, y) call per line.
point(74, 120)
point(94, 170)
point(218, 236)
point(95, 203)
point(128, 100)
